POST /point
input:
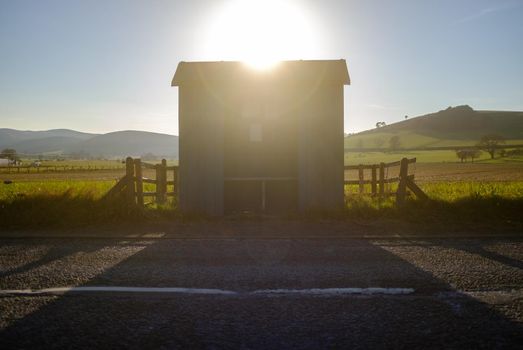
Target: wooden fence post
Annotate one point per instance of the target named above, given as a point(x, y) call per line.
point(402, 186)
point(129, 174)
point(360, 178)
point(382, 179)
point(139, 181)
point(161, 182)
point(373, 183)
point(175, 182)
point(158, 182)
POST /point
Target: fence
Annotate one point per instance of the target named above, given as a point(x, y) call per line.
point(379, 179)
point(132, 184)
point(28, 169)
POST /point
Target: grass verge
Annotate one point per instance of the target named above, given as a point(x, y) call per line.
point(453, 206)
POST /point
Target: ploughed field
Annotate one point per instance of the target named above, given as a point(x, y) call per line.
point(261, 293)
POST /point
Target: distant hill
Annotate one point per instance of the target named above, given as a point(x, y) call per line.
point(458, 126)
point(11, 137)
point(114, 144)
point(131, 143)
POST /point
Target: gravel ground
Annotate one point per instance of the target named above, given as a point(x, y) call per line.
point(468, 293)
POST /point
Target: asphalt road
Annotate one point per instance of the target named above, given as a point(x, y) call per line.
point(262, 293)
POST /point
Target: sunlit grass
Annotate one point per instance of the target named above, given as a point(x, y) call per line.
point(42, 204)
point(89, 189)
point(452, 191)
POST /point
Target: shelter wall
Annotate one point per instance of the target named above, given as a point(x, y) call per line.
point(321, 149)
point(201, 118)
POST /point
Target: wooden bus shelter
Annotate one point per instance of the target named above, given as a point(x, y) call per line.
point(261, 140)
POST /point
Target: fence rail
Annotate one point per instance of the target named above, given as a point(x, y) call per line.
point(131, 185)
point(378, 179)
point(28, 169)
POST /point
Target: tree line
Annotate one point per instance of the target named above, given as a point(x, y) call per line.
point(491, 143)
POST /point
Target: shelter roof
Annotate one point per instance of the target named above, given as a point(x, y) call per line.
point(227, 71)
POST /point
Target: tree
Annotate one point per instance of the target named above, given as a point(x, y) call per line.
point(10, 154)
point(149, 156)
point(474, 153)
point(461, 154)
point(380, 124)
point(490, 143)
point(394, 143)
point(378, 141)
point(471, 153)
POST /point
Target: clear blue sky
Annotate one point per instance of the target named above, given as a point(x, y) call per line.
point(106, 65)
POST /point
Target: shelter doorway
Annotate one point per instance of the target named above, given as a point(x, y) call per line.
point(260, 163)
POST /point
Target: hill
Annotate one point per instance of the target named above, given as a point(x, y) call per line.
point(114, 144)
point(458, 126)
point(130, 143)
point(12, 137)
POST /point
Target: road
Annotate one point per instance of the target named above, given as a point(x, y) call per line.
point(261, 293)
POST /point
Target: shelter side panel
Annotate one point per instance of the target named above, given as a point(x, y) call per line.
point(201, 151)
point(321, 149)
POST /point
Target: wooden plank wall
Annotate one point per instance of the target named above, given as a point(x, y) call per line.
point(201, 151)
point(321, 157)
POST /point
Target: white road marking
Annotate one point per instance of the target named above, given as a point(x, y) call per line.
point(337, 291)
point(208, 291)
point(61, 290)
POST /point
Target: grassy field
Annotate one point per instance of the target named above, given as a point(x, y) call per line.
point(474, 192)
point(444, 156)
point(71, 166)
point(409, 139)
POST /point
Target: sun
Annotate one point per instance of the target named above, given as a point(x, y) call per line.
point(261, 33)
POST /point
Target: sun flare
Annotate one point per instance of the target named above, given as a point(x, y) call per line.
point(261, 33)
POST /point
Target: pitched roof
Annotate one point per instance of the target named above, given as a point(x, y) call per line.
point(308, 70)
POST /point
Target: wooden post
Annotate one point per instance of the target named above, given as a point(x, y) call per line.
point(161, 182)
point(373, 183)
point(360, 178)
point(382, 179)
point(129, 175)
point(175, 182)
point(164, 181)
point(417, 191)
point(402, 186)
point(158, 171)
point(139, 182)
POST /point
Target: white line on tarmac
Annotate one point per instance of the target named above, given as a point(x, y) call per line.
point(207, 291)
point(337, 291)
point(61, 290)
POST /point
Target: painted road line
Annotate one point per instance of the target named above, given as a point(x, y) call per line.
point(111, 289)
point(337, 291)
point(210, 291)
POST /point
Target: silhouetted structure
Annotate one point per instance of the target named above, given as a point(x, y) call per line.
point(255, 140)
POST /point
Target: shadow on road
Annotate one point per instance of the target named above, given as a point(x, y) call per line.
point(435, 316)
point(55, 253)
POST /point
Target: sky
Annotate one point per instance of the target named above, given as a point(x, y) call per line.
point(102, 66)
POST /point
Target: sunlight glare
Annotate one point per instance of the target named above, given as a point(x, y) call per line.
point(261, 33)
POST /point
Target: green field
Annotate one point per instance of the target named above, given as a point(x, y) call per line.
point(410, 140)
point(479, 191)
point(443, 156)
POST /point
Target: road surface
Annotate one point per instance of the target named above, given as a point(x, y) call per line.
point(261, 293)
